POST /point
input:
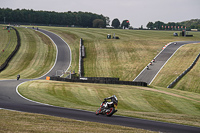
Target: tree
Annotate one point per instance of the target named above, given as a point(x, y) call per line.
point(107, 21)
point(82, 19)
point(125, 24)
point(158, 25)
point(98, 23)
point(115, 23)
point(150, 25)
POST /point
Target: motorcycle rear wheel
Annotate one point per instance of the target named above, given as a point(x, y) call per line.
point(111, 112)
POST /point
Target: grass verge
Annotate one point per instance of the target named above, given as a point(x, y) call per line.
point(150, 103)
point(123, 58)
point(35, 57)
point(190, 82)
point(181, 60)
point(12, 121)
point(8, 42)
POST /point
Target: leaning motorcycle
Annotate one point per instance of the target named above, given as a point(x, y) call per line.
point(112, 108)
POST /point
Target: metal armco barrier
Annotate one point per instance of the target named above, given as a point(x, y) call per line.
point(99, 80)
point(184, 73)
point(4, 65)
point(80, 59)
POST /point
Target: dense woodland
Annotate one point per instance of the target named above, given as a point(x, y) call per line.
point(24, 16)
point(82, 19)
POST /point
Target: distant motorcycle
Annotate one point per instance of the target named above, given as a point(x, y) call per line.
point(18, 77)
point(107, 108)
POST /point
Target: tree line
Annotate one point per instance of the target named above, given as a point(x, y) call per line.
point(188, 25)
point(116, 23)
point(80, 19)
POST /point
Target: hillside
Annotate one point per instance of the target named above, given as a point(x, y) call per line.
point(123, 58)
point(34, 58)
point(181, 60)
point(162, 104)
point(7, 44)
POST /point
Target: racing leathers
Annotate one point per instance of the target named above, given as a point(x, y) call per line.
point(113, 100)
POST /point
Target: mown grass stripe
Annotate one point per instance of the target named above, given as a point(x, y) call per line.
point(158, 104)
point(34, 58)
point(128, 55)
point(7, 44)
point(181, 60)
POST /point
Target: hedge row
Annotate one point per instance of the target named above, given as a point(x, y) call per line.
point(101, 80)
point(184, 73)
point(5, 64)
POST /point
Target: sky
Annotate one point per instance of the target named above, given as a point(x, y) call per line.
point(138, 12)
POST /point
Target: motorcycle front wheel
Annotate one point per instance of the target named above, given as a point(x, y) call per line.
point(98, 111)
point(111, 112)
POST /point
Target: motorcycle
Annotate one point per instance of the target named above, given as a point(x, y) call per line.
point(109, 111)
point(18, 76)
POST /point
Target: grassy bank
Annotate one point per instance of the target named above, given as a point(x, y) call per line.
point(126, 57)
point(8, 42)
point(26, 122)
point(191, 81)
point(35, 57)
point(181, 60)
point(151, 103)
point(123, 58)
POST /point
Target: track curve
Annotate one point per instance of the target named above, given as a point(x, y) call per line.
point(10, 99)
point(160, 60)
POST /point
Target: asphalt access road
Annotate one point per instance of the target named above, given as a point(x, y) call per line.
point(148, 75)
point(10, 99)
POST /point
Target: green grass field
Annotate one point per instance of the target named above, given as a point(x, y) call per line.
point(126, 57)
point(123, 58)
point(190, 82)
point(177, 65)
point(35, 57)
point(161, 104)
point(8, 42)
point(27, 122)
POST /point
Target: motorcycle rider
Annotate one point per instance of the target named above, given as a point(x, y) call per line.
point(18, 77)
point(113, 100)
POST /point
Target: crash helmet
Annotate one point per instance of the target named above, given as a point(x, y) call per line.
point(115, 98)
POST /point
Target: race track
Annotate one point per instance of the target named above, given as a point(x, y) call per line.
point(10, 99)
point(160, 60)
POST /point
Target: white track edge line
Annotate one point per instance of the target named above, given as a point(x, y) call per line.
point(55, 59)
point(154, 58)
point(168, 60)
point(44, 103)
point(165, 64)
point(67, 46)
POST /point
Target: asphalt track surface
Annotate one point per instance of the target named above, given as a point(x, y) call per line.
point(148, 75)
point(10, 99)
